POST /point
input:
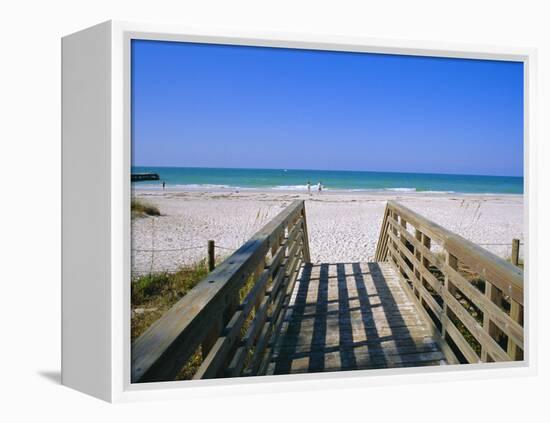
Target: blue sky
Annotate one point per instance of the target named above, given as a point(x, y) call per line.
point(203, 105)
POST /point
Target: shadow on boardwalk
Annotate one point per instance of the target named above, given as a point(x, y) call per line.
point(350, 316)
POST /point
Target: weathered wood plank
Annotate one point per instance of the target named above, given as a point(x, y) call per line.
point(394, 345)
point(334, 361)
point(380, 331)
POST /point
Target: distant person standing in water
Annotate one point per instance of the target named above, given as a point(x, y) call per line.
point(309, 187)
point(163, 185)
point(319, 187)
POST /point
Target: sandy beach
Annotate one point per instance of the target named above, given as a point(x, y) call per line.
point(342, 226)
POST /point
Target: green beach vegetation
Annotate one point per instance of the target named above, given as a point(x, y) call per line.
point(141, 208)
point(154, 293)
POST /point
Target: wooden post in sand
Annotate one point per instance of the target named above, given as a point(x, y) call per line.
point(515, 252)
point(211, 255)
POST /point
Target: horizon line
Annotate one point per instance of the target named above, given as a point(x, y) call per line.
point(329, 170)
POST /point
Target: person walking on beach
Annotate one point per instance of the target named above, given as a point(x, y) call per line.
point(319, 187)
point(309, 187)
point(163, 185)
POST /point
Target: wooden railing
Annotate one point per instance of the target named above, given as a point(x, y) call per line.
point(473, 298)
point(231, 319)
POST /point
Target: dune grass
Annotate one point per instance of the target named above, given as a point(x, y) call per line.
point(142, 209)
point(153, 294)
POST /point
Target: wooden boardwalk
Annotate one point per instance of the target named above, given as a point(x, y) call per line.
point(431, 297)
point(351, 316)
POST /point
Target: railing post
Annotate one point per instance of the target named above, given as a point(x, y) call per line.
point(211, 255)
point(452, 262)
point(395, 217)
point(403, 240)
point(306, 253)
point(256, 275)
point(419, 257)
point(516, 314)
point(515, 252)
point(381, 247)
point(211, 338)
point(403, 224)
point(427, 242)
point(495, 296)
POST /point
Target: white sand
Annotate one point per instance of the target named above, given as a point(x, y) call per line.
point(342, 226)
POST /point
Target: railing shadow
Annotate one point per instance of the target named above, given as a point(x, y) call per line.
point(348, 321)
point(369, 322)
point(296, 311)
point(345, 327)
point(318, 338)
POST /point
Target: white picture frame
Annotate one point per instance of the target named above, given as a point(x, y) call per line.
point(96, 138)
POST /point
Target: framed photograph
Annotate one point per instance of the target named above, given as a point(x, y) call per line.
point(264, 211)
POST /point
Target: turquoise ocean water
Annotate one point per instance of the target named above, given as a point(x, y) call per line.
point(332, 180)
